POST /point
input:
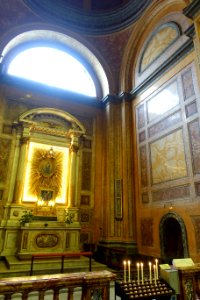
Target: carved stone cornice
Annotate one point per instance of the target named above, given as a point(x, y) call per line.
point(111, 99)
point(124, 96)
point(192, 10)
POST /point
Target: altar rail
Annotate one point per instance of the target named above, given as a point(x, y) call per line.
point(62, 256)
point(92, 285)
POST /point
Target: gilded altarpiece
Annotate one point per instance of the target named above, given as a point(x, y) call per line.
point(47, 181)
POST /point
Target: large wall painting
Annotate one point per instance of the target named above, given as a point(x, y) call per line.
point(168, 158)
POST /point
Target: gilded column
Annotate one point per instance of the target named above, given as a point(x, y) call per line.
point(73, 178)
point(19, 183)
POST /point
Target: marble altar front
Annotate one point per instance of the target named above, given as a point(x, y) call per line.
point(48, 237)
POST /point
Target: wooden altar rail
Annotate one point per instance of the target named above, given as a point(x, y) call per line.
point(62, 256)
point(90, 283)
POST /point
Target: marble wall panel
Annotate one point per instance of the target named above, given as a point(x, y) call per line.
point(158, 43)
point(86, 170)
point(163, 101)
point(142, 136)
point(188, 85)
point(178, 192)
point(140, 116)
point(194, 134)
point(85, 200)
point(7, 129)
point(143, 166)
point(168, 158)
point(196, 223)
point(197, 188)
point(145, 198)
point(165, 123)
point(191, 109)
point(5, 148)
point(147, 232)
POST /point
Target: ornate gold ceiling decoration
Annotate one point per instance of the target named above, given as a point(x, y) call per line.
point(90, 17)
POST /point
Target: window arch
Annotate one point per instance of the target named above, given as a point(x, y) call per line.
point(92, 68)
point(53, 67)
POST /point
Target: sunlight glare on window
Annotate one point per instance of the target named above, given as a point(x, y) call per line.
point(53, 67)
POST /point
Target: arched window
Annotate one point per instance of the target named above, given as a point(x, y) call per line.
point(62, 60)
point(53, 67)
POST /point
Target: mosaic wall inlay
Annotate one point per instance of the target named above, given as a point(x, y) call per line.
point(147, 232)
point(194, 133)
point(179, 192)
point(165, 123)
point(168, 158)
point(188, 85)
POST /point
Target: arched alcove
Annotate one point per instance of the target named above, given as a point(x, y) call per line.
point(173, 238)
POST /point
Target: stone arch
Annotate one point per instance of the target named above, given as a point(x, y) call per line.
point(65, 41)
point(173, 237)
point(163, 13)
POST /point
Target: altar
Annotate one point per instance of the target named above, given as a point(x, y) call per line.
point(48, 237)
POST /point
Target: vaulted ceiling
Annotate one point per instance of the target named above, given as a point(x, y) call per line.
point(90, 16)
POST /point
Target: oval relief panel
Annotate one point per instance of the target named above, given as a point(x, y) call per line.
point(46, 240)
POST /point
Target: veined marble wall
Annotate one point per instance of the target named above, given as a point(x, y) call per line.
point(168, 144)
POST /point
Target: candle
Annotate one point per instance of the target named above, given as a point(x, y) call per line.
point(150, 274)
point(138, 273)
point(142, 274)
point(124, 270)
point(129, 270)
point(156, 268)
point(155, 275)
